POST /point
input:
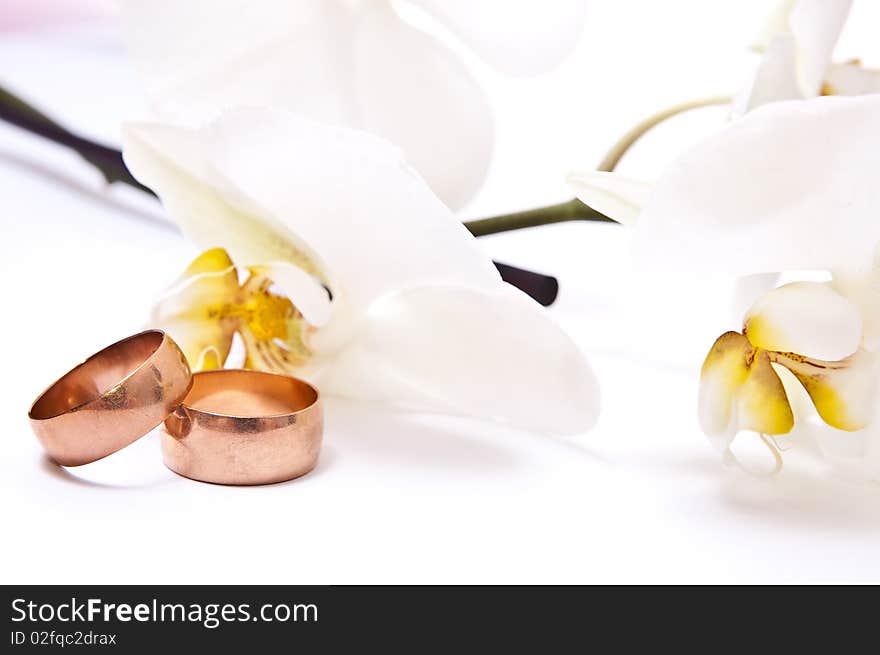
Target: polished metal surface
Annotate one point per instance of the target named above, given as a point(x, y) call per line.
point(244, 427)
point(111, 399)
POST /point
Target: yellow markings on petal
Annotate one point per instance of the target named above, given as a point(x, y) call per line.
point(739, 390)
point(207, 306)
point(810, 318)
point(215, 261)
point(761, 331)
point(762, 404)
point(191, 310)
point(843, 392)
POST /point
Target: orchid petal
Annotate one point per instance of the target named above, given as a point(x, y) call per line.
point(748, 289)
point(176, 163)
point(844, 392)
point(520, 37)
point(860, 282)
point(797, 43)
point(354, 65)
point(777, 22)
point(468, 352)
point(815, 27)
point(739, 390)
point(769, 192)
point(809, 318)
point(612, 194)
point(852, 79)
point(417, 93)
point(196, 58)
point(384, 228)
point(186, 310)
point(774, 79)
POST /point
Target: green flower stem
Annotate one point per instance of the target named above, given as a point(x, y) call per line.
point(571, 210)
point(612, 158)
point(574, 210)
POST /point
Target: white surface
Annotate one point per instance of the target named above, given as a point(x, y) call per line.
point(398, 498)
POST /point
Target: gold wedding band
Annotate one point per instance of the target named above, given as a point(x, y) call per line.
point(244, 427)
point(110, 400)
point(224, 426)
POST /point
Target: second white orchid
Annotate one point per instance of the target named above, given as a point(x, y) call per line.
point(790, 187)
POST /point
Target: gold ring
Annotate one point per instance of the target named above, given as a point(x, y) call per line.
point(244, 427)
point(112, 399)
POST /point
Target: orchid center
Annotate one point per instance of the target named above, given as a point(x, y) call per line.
point(209, 305)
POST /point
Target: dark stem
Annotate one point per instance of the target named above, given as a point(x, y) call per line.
point(14, 110)
point(107, 160)
point(571, 210)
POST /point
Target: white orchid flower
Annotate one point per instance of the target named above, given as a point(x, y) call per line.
point(419, 317)
point(792, 186)
point(351, 63)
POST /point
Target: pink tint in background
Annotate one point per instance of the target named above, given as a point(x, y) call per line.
point(34, 14)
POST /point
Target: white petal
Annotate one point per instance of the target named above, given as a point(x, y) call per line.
point(790, 186)
point(748, 289)
point(521, 37)
point(797, 43)
point(816, 26)
point(861, 284)
point(356, 65)
point(416, 93)
point(612, 194)
point(808, 318)
point(344, 194)
point(774, 79)
point(196, 58)
point(844, 392)
point(776, 23)
point(178, 164)
point(485, 354)
point(852, 79)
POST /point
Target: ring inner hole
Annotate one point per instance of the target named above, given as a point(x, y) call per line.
point(248, 394)
point(97, 375)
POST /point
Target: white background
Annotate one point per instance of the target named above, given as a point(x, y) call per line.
point(403, 498)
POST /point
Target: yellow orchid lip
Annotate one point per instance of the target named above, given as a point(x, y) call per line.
point(740, 385)
point(740, 390)
point(208, 305)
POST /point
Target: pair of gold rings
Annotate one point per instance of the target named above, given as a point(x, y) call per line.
point(225, 426)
